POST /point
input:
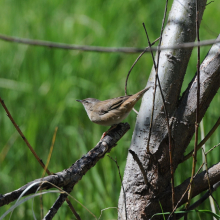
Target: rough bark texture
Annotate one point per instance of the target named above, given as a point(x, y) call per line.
point(200, 181)
point(142, 200)
point(74, 173)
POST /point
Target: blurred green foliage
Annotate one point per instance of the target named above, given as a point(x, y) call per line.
point(40, 85)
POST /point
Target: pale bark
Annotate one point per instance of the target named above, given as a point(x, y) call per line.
point(140, 199)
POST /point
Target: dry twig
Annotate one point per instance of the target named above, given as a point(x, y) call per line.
point(204, 140)
point(31, 148)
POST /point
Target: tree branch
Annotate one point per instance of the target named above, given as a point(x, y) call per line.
point(201, 183)
point(184, 118)
point(74, 173)
point(204, 140)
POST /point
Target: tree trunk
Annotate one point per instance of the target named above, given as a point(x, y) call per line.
point(142, 200)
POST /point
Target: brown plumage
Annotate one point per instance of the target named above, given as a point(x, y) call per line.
point(111, 111)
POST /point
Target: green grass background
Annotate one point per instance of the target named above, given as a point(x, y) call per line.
point(40, 85)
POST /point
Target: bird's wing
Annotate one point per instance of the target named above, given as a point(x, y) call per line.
point(111, 104)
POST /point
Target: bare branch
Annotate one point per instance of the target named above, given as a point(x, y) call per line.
point(103, 49)
point(69, 46)
point(204, 140)
point(177, 204)
point(201, 182)
point(212, 149)
point(126, 81)
point(185, 116)
point(77, 170)
point(201, 200)
point(23, 137)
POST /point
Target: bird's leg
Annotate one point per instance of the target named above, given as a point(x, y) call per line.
point(105, 133)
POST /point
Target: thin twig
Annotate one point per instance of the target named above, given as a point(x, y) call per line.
point(149, 43)
point(202, 199)
point(184, 193)
point(212, 149)
point(197, 109)
point(157, 79)
point(64, 192)
point(23, 137)
point(126, 81)
point(103, 49)
point(207, 171)
point(202, 132)
point(209, 3)
point(215, 202)
point(156, 66)
point(107, 209)
point(116, 162)
point(204, 140)
point(29, 146)
point(156, 75)
point(210, 187)
point(51, 150)
point(155, 83)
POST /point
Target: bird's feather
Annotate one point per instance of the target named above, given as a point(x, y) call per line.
point(108, 105)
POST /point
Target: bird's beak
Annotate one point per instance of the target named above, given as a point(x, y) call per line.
point(79, 100)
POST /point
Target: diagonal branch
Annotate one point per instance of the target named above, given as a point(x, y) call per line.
point(202, 199)
point(23, 137)
point(204, 140)
point(74, 173)
point(183, 125)
point(201, 183)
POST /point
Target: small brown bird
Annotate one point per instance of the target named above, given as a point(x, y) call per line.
point(112, 111)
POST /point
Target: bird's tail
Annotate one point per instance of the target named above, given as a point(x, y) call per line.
point(131, 101)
